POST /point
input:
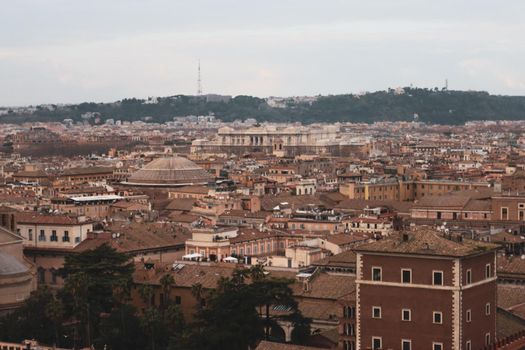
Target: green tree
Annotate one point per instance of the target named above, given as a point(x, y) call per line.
point(39, 318)
point(94, 282)
point(162, 325)
point(198, 293)
point(166, 282)
point(121, 330)
point(231, 318)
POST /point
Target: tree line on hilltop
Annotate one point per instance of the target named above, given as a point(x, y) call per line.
point(438, 106)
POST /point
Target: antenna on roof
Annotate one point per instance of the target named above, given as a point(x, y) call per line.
point(199, 82)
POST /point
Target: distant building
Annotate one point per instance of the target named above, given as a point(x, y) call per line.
point(272, 139)
point(169, 172)
point(395, 189)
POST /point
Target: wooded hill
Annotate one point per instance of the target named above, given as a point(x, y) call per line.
point(431, 105)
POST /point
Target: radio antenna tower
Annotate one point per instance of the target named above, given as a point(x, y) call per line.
point(199, 83)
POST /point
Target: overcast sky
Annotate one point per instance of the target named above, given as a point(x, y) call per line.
point(59, 51)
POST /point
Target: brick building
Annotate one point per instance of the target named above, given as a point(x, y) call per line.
point(423, 290)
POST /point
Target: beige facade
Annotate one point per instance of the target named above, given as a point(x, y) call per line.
point(297, 256)
point(211, 244)
point(51, 234)
point(405, 190)
point(281, 141)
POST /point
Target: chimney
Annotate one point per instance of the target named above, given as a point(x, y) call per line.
point(306, 285)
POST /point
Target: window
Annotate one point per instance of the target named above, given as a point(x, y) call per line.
point(30, 234)
point(487, 309)
point(437, 317)
point(487, 339)
point(406, 315)
point(406, 344)
point(488, 271)
point(469, 315)
point(53, 237)
point(504, 213)
point(376, 312)
point(349, 312)
point(65, 238)
point(406, 276)
point(349, 345)
point(376, 274)
point(377, 343)
point(437, 346)
point(349, 329)
point(178, 300)
point(437, 278)
point(468, 345)
point(469, 276)
point(42, 236)
point(77, 239)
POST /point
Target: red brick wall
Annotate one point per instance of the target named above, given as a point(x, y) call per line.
point(475, 299)
point(420, 330)
point(424, 301)
point(421, 268)
point(477, 266)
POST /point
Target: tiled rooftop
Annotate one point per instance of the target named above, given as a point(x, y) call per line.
point(425, 241)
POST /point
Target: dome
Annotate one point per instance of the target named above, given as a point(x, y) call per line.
point(9, 265)
point(170, 171)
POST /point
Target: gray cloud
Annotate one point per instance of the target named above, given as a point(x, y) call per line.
point(71, 51)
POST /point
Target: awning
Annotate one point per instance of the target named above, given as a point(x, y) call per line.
point(231, 259)
point(192, 256)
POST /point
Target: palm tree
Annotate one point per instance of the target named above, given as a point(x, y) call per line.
point(273, 292)
point(198, 292)
point(55, 311)
point(257, 273)
point(167, 282)
point(239, 275)
point(146, 293)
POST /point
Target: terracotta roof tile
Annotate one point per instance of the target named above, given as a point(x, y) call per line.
point(425, 241)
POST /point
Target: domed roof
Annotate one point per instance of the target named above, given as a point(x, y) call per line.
point(9, 265)
point(170, 171)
